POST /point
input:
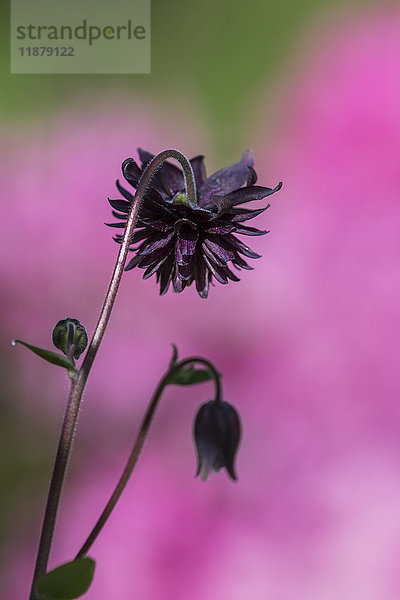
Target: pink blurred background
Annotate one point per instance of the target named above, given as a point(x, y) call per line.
point(308, 343)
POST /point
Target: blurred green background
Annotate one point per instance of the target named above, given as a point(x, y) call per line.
point(217, 55)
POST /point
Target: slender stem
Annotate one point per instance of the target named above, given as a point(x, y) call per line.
point(139, 442)
point(57, 480)
point(79, 380)
point(126, 241)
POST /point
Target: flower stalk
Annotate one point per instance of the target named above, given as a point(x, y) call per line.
point(139, 442)
point(79, 378)
point(187, 228)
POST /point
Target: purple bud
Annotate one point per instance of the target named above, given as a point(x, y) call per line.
point(217, 433)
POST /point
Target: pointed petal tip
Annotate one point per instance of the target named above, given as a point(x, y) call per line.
point(248, 158)
point(204, 472)
point(145, 155)
point(125, 164)
point(231, 472)
point(116, 225)
point(252, 176)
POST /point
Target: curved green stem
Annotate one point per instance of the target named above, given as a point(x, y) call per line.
point(79, 379)
point(139, 442)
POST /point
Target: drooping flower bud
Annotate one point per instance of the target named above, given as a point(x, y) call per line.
point(70, 337)
point(217, 433)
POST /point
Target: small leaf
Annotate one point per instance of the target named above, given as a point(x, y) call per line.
point(189, 376)
point(174, 358)
point(52, 357)
point(67, 582)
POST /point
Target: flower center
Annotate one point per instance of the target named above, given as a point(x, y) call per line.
point(185, 223)
point(181, 198)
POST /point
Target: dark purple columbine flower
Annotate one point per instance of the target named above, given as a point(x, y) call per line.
point(180, 242)
point(217, 433)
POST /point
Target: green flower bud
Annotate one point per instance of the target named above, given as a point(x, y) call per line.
point(70, 337)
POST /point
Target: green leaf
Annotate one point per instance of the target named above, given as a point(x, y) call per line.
point(67, 582)
point(189, 376)
point(52, 357)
